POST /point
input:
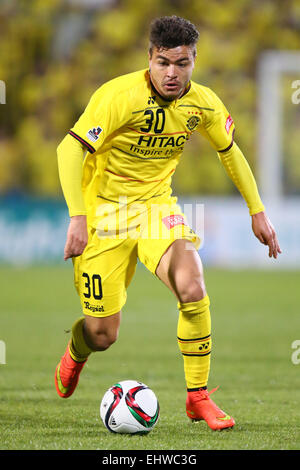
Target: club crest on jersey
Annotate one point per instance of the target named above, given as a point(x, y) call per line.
point(93, 134)
point(228, 124)
point(192, 122)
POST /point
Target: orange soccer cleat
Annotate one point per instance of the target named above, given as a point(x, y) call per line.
point(200, 406)
point(67, 375)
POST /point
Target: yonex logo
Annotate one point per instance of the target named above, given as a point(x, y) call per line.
point(151, 99)
point(204, 346)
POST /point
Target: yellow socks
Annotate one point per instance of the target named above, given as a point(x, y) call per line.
point(193, 335)
point(194, 340)
point(79, 351)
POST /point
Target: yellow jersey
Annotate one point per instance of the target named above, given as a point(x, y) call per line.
point(135, 138)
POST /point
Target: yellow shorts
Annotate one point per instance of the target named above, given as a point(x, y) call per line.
point(104, 270)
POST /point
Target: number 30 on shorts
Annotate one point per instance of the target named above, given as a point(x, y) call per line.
point(93, 286)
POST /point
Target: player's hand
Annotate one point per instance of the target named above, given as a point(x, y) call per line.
point(264, 231)
point(77, 237)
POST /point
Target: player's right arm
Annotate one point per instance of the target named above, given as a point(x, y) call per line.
point(70, 157)
point(101, 117)
point(86, 135)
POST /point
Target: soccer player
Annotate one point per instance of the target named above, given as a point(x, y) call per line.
point(116, 166)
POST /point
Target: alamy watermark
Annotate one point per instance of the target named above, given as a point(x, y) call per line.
point(295, 358)
point(2, 352)
point(2, 92)
point(155, 221)
point(296, 95)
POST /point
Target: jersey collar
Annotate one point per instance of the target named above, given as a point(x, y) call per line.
point(186, 90)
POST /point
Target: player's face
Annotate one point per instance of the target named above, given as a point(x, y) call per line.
point(171, 70)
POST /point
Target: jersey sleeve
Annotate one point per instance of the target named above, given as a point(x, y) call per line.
point(102, 116)
point(241, 175)
point(70, 155)
point(217, 126)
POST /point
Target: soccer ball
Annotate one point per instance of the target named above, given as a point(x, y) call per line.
point(129, 407)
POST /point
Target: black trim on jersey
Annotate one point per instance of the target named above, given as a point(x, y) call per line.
point(229, 146)
point(150, 107)
point(82, 141)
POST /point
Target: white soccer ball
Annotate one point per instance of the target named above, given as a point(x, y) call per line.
point(129, 407)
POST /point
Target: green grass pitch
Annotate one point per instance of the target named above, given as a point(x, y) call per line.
point(255, 319)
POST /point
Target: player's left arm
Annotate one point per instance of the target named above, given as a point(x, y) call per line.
point(218, 128)
point(265, 232)
point(240, 173)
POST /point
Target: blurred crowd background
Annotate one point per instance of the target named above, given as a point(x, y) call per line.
point(55, 53)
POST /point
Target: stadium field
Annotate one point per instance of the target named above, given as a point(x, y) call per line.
point(255, 318)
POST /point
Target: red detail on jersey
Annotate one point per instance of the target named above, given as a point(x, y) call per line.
point(171, 220)
point(228, 124)
point(84, 142)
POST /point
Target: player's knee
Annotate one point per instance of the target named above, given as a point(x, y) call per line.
point(103, 340)
point(192, 291)
point(100, 338)
point(101, 333)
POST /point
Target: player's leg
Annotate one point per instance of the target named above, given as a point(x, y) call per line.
point(89, 334)
point(102, 275)
point(100, 333)
point(173, 257)
point(180, 268)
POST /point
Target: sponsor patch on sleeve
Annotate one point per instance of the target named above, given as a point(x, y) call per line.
point(228, 124)
point(93, 134)
point(172, 220)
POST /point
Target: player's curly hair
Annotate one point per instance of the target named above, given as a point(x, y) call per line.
point(167, 32)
